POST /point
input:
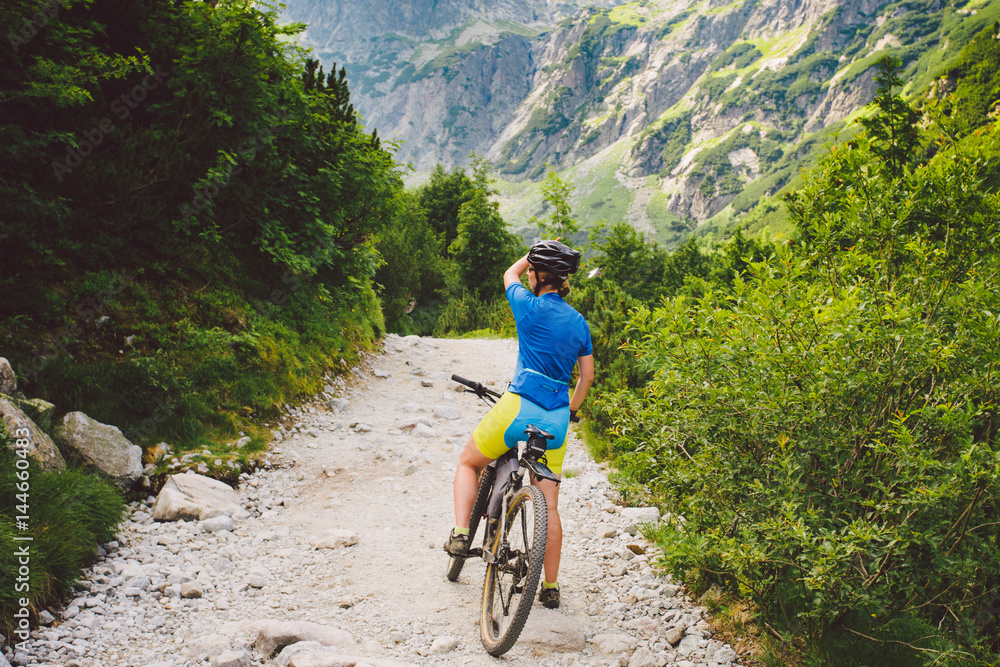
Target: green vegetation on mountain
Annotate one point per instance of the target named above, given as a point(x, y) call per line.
point(823, 413)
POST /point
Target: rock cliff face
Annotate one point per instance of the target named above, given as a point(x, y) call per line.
point(687, 102)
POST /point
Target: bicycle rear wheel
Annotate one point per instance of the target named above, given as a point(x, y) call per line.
point(478, 510)
point(512, 576)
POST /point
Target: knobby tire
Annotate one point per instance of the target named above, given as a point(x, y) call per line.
point(512, 580)
point(478, 509)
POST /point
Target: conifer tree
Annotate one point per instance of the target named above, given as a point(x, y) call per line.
point(893, 128)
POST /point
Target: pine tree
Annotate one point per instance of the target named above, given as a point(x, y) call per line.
point(893, 127)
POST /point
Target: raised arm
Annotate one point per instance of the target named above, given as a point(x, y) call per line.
point(514, 273)
point(583, 383)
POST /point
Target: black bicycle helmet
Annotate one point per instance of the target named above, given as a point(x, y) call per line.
point(554, 257)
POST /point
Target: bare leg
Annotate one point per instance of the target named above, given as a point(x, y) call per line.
point(470, 465)
point(553, 538)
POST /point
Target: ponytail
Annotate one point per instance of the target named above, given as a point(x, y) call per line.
point(546, 278)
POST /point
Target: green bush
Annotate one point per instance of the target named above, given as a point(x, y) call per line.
point(70, 513)
point(829, 427)
point(471, 313)
point(213, 254)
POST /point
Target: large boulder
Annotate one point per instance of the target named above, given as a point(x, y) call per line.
point(100, 447)
point(40, 446)
point(193, 496)
point(553, 631)
point(314, 654)
point(274, 635)
point(8, 381)
point(40, 412)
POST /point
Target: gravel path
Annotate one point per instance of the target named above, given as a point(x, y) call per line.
point(371, 463)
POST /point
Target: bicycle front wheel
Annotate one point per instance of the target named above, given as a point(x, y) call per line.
point(512, 571)
point(478, 510)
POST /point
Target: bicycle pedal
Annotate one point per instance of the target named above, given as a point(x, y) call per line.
point(476, 552)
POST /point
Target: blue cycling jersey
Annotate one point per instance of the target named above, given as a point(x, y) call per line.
point(551, 335)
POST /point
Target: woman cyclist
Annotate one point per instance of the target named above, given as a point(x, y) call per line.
point(552, 339)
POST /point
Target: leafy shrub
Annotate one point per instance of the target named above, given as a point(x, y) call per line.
point(470, 313)
point(829, 427)
point(213, 254)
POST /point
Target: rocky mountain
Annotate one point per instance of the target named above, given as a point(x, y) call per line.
point(666, 113)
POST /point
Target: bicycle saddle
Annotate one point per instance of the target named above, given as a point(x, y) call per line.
point(533, 430)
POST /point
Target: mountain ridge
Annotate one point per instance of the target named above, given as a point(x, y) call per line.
point(707, 98)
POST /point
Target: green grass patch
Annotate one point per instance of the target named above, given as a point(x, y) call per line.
point(71, 512)
point(597, 444)
point(195, 367)
point(629, 14)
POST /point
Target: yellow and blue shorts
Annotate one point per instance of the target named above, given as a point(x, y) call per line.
point(503, 427)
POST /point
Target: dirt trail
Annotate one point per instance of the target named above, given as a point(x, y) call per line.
point(373, 468)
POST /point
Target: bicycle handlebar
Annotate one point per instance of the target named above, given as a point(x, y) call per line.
point(476, 388)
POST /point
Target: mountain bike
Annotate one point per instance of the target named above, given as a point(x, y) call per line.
point(513, 544)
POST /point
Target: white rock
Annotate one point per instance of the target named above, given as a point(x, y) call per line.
point(446, 412)
point(548, 629)
point(689, 644)
point(314, 654)
point(338, 404)
point(100, 447)
point(208, 646)
point(334, 538)
point(273, 635)
point(132, 570)
point(642, 658)
point(613, 643)
point(231, 658)
point(442, 645)
point(217, 523)
point(412, 422)
point(191, 589)
point(724, 655)
point(191, 496)
point(424, 431)
point(643, 624)
point(8, 380)
point(142, 583)
point(640, 515)
point(40, 446)
point(605, 530)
